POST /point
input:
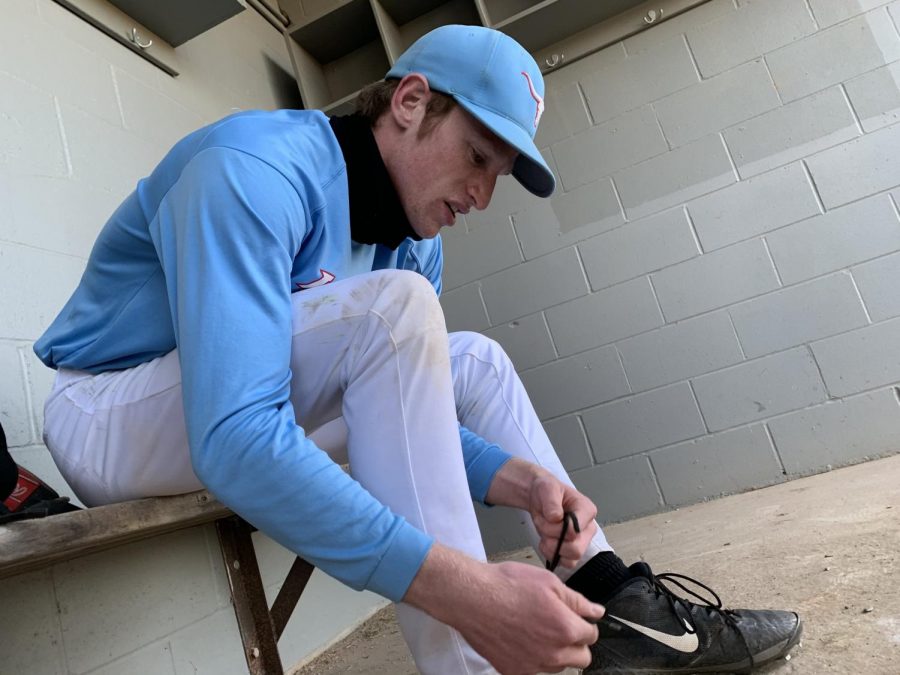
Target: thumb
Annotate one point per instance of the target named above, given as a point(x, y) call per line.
point(582, 606)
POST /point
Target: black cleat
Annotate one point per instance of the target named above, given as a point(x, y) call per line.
point(649, 630)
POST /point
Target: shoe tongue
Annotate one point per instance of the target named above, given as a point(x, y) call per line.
point(640, 569)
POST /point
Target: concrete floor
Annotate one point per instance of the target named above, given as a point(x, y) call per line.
point(826, 546)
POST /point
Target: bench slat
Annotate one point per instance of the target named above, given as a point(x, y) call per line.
point(33, 544)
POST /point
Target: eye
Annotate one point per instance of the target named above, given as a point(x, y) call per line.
point(477, 158)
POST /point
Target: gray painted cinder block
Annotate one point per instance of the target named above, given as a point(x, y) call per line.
point(675, 177)
point(759, 389)
point(30, 625)
point(568, 439)
point(809, 65)
point(716, 103)
point(621, 490)
point(464, 309)
point(752, 207)
point(190, 646)
point(876, 97)
point(680, 351)
point(604, 317)
point(643, 422)
point(30, 140)
point(565, 115)
point(864, 359)
point(608, 147)
point(135, 157)
point(859, 168)
point(798, 315)
point(526, 341)
point(27, 314)
point(156, 659)
point(485, 249)
point(714, 280)
point(837, 239)
point(534, 285)
point(551, 224)
point(878, 282)
point(716, 465)
point(13, 410)
point(152, 115)
point(756, 28)
point(638, 247)
point(137, 602)
point(640, 78)
point(672, 27)
point(791, 132)
point(576, 382)
point(57, 215)
point(838, 432)
point(830, 12)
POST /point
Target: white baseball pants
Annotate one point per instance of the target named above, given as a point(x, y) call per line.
point(121, 435)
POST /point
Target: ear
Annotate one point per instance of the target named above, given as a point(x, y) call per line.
point(409, 100)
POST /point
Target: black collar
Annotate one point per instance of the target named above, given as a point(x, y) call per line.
point(376, 215)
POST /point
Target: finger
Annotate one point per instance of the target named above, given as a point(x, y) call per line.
point(576, 656)
point(581, 605)
point(551, 495)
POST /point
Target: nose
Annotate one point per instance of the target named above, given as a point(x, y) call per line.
point(481, 189)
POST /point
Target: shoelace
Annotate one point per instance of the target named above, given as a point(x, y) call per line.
point(659, 580)
point(567, 516)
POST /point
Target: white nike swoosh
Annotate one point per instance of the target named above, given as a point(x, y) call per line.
point(686, 642)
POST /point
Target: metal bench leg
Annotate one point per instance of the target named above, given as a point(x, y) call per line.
point(259, 627)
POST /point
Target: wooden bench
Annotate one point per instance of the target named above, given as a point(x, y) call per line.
point(32, 544)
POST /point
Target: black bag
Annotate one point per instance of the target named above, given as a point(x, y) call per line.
point(9, 472)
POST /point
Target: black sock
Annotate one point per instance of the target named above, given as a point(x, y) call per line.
point(599, 576)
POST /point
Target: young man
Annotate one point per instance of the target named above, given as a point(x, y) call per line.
point(277, 272)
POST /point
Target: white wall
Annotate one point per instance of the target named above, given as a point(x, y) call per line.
point(81, 120)
point(709, 302)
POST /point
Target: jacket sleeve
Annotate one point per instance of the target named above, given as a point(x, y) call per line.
point(483, 460)
point(226, 236)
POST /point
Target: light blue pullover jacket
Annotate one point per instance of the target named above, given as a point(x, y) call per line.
point(204, 256)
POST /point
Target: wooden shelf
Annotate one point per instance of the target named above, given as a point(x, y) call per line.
point(339, 46)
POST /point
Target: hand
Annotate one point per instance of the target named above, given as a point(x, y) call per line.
point(522, 619)
point(548, 499)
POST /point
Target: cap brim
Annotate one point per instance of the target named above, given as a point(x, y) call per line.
point(529, 169)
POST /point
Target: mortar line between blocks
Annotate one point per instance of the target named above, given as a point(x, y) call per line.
point(687, 45)
point(584, 101)
point(656, 483)
point(812, 355)
point(812, 184)
point(690, 382)
point(584, 273)
point(772, 80)
point(62, 135)
point(737, 337)
point(861, 299)
point(512, 223)
point(622, 366)
point(775, 449)
point(618, 197)
point(115, 82)
point(484, 305)
point(694, 233)
point(734, 168)
point(812, 14)
point(550, 333)
point(772, 260)
point(29, 399)
point(852, 109)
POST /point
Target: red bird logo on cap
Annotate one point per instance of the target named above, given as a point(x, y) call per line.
point(537, 99)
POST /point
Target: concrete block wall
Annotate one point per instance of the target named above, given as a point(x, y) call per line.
point(81, 120)
point(708, 303)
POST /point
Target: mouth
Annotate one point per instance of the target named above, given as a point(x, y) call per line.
point(451, 213)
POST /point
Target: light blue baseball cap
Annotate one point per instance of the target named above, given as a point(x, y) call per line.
point(493, 78)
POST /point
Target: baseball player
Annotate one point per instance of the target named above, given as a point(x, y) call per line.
point(277, 273)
